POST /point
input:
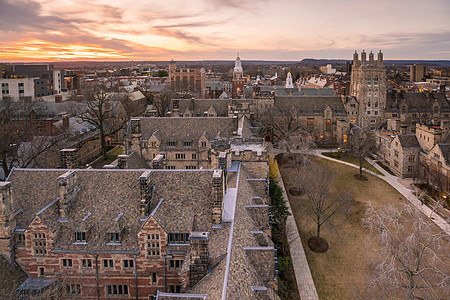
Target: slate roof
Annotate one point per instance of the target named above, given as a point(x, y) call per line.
point(310, 105)
point(421, 102)
point(203, 105)
point(185, 195)
point(445, 150)
point(10, 278)
point(187, 129)
point(408, 141)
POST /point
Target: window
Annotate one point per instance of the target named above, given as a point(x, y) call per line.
point(170, 167)
point(180, 156)
point(178, 238)
point(80, 236)
point(153, 245)
point(310, 124)
point(175, 288)
point(376, 104)
point(403, 109)
point(194, 155)
point(412, 157)
point(153, 144)
point(41, 272)
point(20, 239)
point(396, 153)
point(154, 277)
point(191, 167)
point(372, 121)
point(203, 144)
point(394, 115)
point(170, 144)
point(376, 112)
point(328, 125)
point(117, 289)
point(73, 289)
point(86, 263)
point(108, 263)
point(67, 263)
point(410, 169)
point(128, 263)
point(187, 144)
point(368, 112)
point(175, 263)
point(375, 81)
point(369, 81)
point(437, 156)
point(353, 105)
point(40, 245)
point(114, 237)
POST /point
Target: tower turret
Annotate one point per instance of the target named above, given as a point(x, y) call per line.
point(355, 59)
point(371, 60)
point(289, 83)
point(363, 58)
point(380, 59)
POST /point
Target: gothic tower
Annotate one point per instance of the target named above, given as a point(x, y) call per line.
point(368, 85)
point(238, 79)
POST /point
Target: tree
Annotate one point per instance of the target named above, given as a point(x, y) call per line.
point(162, 103)
point(319, 203)
point(411, 259)
point(20, 142)
point(101, 111)
point(279, 122)
point(279, 210)
point(362, 144)
point(296, 150)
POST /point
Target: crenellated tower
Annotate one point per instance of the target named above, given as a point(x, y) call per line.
point(368, 85)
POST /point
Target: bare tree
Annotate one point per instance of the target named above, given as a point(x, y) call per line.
point(361, 145)
point(162, 103)
point(297, 150)
point(411, 259)
point(319, 203)
point(100, 111)
point(279, 122)
point(20, 142)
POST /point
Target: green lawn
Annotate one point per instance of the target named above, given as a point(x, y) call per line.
point(112, 156)
point(353, 160)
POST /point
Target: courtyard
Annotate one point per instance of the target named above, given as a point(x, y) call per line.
point(344, 268)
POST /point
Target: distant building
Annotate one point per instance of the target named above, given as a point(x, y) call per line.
point(328, 69)
point(17, 88)
point(187, 80)
point(238, 79)
point(417, 72)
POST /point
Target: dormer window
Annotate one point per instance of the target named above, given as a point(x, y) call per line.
point(187, 144)
point(80, 237)
point(170, 144)
point(203, 144)
point(178, 238)
point(114, 237)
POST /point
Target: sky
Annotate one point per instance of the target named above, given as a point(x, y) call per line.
point(120, 30)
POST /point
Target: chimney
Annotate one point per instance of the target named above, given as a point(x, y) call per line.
point(403, 129)
point(193, 105)
point(58, 98)
point(122, 161)
point(217, 196)
point(68, 189)
point(157, 162)
point(146, 190)
point(198, 256)
point(69, 158)
point(65, 121)
point(7, 221)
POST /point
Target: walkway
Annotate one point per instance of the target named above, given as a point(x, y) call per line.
point(305, 282)
point(393, 181)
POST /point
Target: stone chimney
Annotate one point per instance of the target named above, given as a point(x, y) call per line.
point(69, 158)
point(157, 162)
point(146, 190)
point(199, 256)
point(134, 136)
point(122, 161)
point(65, 121)
point(58, 98)
point(217, 196)
point(7, 220)
point(68, 190)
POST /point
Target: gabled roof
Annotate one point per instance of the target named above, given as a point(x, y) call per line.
point(420, 102)
point(445, 150)
point(408, 141)
point(309, 105)
point(202, 105)
point(187, 129)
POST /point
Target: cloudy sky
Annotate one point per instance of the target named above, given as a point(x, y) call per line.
point(217, 29)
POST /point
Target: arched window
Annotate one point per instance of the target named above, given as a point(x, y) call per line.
point(369, 81)
point(375, 81)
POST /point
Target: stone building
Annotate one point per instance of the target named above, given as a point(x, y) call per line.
point(238, 79)
point(161, 233)
point(368, 85)
point(187, 80)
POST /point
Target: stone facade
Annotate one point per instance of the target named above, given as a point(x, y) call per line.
point(190, 80)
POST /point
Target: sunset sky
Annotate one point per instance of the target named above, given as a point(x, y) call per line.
point(217, 29)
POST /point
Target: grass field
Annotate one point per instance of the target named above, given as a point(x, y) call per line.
point(112, 156)
point(351, 159)
point(344, 266)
